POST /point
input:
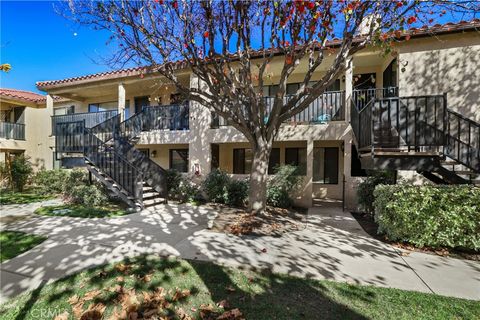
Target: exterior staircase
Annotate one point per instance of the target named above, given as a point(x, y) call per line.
point(416, 133)
point(108, 149)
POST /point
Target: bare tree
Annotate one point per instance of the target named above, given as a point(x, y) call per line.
point(229, 45)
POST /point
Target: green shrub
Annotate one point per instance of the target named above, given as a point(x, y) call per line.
point(50, 181)
point(180, 189)
point(434, 216)
point(216, 186)
point(282, 185)
point(20, 172)
point(174, 180)
point(277, 197)
point(367, 187)
point(237, 193)
point(88, 195)
point(4, 175)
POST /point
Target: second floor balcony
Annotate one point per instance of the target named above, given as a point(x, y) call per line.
point(11, 130)
point(91, 119)
point(329, 106)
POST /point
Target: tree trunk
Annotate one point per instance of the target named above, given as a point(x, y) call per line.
point(257, 199)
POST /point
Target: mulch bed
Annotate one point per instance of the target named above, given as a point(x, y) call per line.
point(274, 222)
point(370, 226)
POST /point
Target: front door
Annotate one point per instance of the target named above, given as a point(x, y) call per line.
point(140, 103)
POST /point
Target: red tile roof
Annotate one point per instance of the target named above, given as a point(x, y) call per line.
point(22, 95)
point(424, 31)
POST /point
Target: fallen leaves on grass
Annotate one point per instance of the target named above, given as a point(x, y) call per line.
point(180, 294)
point(128, 304)
point(233, 314)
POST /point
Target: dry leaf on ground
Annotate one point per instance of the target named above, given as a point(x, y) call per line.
point(62, 316)
point(233, 314)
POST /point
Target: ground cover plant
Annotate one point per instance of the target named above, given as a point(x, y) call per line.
point(81, 211)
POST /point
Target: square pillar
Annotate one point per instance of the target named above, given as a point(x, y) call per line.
point(121, 101)
point(308, 189)
point(199, 146)
point(348, 88)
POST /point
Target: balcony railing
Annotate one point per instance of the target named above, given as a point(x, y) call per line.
point(330, 106)
point(361, 97)
point(91, 118)
point(10, 130)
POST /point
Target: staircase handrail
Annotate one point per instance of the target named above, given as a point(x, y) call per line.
point(91, 152)
point(456, 146)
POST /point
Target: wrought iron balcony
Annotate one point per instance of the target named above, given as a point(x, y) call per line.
point(10, 130)
point(330, 106)
point(91, 119)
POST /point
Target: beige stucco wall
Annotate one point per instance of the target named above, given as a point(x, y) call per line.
point(448, 64)
point(36, 144)
point(162, 152)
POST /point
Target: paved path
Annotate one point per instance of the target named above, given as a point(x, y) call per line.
point(330, 245)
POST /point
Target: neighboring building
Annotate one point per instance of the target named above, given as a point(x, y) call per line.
point(332, 141)
point(24, 122)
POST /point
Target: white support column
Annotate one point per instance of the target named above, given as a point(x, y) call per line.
point(50, 113)
point(348, 88)
point(200, 144)
point(121, 100)
point(308, 190)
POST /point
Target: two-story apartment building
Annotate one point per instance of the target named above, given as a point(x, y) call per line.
point(416, 111)
point(23, 116)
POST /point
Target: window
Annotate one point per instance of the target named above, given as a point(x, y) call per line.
point(215, 150)
point(176, 98)
point(146, 152)
point(242, 161)
point(179, 160)
point(325, 165)
point(274, 161)
point(334, 86)
point(297, 157)
point(64, 110)
point(292, 88)
point(104, 106)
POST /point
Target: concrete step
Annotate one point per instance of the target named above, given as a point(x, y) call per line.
point(153, 202)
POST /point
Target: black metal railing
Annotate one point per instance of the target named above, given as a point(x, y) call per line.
point(361, 97)
point(91, 118)
point(10, 130)
point(170, 117)
point(361, 121)
point(69, 137)
point(463, 140)
point(413, 122)
point(110, 162)
point(330, 106)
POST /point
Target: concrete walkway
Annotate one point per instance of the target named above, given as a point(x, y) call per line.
point(330, 245)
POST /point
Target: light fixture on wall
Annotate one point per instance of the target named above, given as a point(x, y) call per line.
point(196, 169)
point(154, 154)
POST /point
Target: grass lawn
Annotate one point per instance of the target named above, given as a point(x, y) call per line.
point(80, 211)
point(151, 287)
point(13, 243)
point(27, 196)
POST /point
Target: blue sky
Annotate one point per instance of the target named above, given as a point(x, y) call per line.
point(41, 45)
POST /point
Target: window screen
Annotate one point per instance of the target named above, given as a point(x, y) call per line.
point(325, 165)
point(179, 160)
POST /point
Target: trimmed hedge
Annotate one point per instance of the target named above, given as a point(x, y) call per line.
point(434, 216)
